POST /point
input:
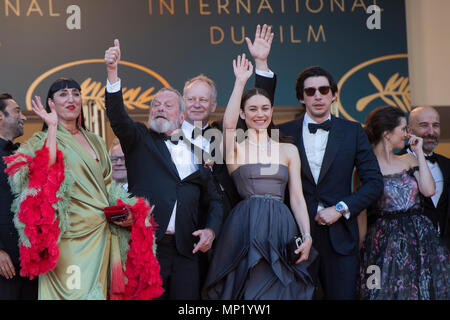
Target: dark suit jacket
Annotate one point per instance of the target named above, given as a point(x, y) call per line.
point(9, 238)
point(268, 84)
point(153, 175)
point(440, 215)
point(347, 147)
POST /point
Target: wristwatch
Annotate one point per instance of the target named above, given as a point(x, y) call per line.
point(340, 207)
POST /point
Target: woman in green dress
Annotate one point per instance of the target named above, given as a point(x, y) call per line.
point(62, 178)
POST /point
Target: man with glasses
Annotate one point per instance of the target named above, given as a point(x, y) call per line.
point(119, 171)
point(330, 148)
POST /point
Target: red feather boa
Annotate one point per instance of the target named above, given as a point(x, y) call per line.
point(37, 213)
point(142, 268)
point(42, 229)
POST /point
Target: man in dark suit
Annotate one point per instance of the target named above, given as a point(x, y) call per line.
point(200, 95)
point(329, 150)
point(171, 177)
point(424, 122)
point(12, 285)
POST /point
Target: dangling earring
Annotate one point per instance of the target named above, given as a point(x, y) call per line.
point(79, 121)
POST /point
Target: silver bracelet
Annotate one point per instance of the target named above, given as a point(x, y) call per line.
point(305, 236)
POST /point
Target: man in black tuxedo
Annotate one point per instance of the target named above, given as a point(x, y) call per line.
point(200, 95)
point(424, 122)
point(12, 285)
point(166, 172)
point(329, 150)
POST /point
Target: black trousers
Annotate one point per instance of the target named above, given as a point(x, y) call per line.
point(180, 275)
point(18, 288)
point(337, 273)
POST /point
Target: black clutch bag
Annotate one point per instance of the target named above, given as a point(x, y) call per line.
point(291, 246)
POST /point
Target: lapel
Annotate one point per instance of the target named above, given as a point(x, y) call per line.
point(335, 138)
point(164, 153)
point(193, 176)
point(446, 174)
point(301, 148)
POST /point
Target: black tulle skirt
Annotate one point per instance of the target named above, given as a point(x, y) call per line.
point(250, 260)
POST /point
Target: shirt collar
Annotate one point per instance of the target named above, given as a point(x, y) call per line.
point(307, 119)
point(408, 149)
point(188, 127)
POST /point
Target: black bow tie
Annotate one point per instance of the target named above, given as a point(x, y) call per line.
point(431, 158)
point(12, 146)
point(326, 125)
point(197, 131)
point(165, 137)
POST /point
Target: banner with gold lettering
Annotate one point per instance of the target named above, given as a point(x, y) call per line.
point(165, 42)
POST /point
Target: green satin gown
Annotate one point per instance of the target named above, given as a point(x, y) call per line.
point(87, 246)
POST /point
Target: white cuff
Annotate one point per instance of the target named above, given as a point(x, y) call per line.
point(266, 74)
point(346, 213)
point(113, 88)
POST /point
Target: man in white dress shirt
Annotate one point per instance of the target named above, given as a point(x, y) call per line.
point(424, 122)
point(200, 96)
point(330, 148)
point(164, 170)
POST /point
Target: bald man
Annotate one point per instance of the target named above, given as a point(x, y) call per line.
point(424, 122)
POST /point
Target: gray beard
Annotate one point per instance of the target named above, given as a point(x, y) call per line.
point(429, 147)
point(162, 126)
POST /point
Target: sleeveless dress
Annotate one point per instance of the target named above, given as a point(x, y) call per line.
point(403, 243)
point(250, 260)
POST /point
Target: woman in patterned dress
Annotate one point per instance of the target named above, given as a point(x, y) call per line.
point(402, 257)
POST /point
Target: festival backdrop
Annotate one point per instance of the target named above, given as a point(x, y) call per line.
point(165, 42)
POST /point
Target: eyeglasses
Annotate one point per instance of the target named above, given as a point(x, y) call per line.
point(310, 92)
point(117, 158)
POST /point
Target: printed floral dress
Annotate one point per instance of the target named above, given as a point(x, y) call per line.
point(403, 243)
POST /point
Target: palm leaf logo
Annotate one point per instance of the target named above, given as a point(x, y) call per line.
point(395, 93)
point(133, 98)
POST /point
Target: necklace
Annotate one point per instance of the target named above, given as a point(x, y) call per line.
point(262, 146)
point(72, 131)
